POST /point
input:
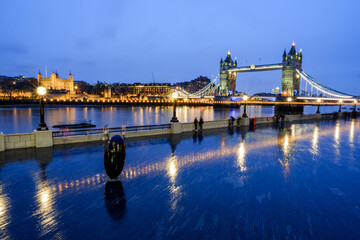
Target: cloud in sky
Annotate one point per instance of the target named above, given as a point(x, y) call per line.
point(125, 41)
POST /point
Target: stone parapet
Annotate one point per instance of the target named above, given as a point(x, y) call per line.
point(43, 139)
point(2, 142)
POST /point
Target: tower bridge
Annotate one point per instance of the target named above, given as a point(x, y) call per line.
point(295, 81)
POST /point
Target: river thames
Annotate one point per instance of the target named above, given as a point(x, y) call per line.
point(294, 181)
point(23, 119)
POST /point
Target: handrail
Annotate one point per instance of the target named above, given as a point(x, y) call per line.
point(105, 130)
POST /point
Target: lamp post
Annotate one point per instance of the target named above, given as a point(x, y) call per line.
point(245, 98)
point(355, 101)
point(318, 100)
point(340, 101)
point(174, 118)
point(289, 100)
point(42, 125)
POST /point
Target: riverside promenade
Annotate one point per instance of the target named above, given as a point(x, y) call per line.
point(38, 139)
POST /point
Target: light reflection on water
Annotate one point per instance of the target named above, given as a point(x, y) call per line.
point(26, 119)
point(188, 177)
point(5, 208)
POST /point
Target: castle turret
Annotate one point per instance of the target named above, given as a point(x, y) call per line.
point(70, 76)
point(39, 77)
point(71, 83)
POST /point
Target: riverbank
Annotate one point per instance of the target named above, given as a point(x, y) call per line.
point(106, 102)
point(39, 139)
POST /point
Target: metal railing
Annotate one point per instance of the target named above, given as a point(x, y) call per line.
point(106, 130)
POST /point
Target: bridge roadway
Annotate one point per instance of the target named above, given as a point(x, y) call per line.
point(257, 68)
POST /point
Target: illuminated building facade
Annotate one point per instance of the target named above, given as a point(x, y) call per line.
point(151, 89)
point(290, 84)
point(194, 85)
point(227, 79)
point(56, 83)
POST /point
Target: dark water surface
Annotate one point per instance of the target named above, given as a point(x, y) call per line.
point(23, 119)
point(293, 182)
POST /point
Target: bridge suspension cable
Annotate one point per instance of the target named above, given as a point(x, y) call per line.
point(320, 87)
point(210, 88)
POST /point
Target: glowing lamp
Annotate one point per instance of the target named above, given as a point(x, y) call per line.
point(41, 91)
point(175, 95)
point(245, 98)
point(289, 99)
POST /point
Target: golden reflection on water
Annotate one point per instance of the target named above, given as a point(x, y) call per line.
point(337, 138)
point(175, 191)
point(286, 141)
point(29, 116)
point(141, 118)
point(46, 212)
point(85, 113)
point(241, 157)
point(157, 113)
point(5, 219)
point(315, 140)
point(172, 165)
point(351, 135)
point(15, 118)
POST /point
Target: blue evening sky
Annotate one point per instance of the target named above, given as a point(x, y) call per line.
point(125, 41)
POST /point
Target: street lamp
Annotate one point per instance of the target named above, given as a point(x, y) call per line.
point(355, 101)
point(319, 101)
point(42, 125)
point(289, 100)
point(174, 118)
point(244, 114)
point(340, 101)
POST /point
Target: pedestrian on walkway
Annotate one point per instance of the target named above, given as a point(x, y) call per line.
point(201, 122)
point(231, 121)
point(196, 123)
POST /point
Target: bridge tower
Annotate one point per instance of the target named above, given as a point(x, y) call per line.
point(227, 79)
point(290, 85)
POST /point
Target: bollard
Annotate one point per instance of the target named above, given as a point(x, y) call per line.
point(114, 157)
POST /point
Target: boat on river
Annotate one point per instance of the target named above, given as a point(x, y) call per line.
point(69, 125)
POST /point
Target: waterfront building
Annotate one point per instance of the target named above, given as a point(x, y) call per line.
point(139, 89)
point(194, 85)
point(56, 83)
point(107, 92)
point(275, 91)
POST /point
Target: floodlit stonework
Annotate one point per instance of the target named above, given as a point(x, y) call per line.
point(56, 83)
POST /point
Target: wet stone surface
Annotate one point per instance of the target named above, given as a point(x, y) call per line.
point(298, 181)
